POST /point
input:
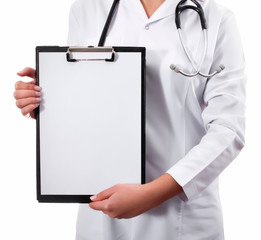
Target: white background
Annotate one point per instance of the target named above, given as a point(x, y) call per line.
point(27, 23)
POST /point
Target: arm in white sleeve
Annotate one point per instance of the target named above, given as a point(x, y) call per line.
point(223, 117)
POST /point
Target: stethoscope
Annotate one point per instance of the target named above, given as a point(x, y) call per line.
point(179, 9)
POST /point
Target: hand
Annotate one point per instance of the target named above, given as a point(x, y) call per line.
point(28, 94)
point(121, 201)
point(130, 200)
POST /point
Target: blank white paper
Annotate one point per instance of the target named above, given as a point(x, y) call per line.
point(90, 123)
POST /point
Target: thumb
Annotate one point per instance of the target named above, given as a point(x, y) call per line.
point(103, 195)
point(99, 205)
point(27, 72)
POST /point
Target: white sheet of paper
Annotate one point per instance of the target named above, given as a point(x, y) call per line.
point(90, 123)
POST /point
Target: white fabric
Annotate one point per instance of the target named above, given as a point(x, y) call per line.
point(194, 127)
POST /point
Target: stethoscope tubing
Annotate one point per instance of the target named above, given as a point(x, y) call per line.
point(197, 69)
point(179, 9)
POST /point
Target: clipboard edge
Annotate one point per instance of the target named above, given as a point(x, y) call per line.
point(86, 198)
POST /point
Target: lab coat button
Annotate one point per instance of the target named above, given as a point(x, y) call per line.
point(147, 27)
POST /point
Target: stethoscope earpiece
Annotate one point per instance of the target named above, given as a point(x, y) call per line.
point(174, 68)
point(221, 68)
point(177, 70)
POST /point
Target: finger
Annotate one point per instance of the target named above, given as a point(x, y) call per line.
point(99, 206)
point(112, 215)
point(19, 94)
point(21, 103)
point(104, 194)
point(104, 206)
point(29, 109)
point(33, 114)
point(27, 72)
point(26, 86)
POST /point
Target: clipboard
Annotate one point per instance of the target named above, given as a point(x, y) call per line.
point(90, 124)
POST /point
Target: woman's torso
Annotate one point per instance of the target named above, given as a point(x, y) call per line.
point(173, 114)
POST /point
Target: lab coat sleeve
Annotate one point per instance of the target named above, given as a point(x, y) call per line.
point(223, 117)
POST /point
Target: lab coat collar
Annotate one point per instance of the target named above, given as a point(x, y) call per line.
point(166, 9)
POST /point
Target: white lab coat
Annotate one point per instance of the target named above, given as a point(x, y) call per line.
point(194, 127)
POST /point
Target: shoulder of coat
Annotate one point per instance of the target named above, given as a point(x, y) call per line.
point(89, 5)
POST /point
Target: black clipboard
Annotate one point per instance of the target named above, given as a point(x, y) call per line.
point(74, 135)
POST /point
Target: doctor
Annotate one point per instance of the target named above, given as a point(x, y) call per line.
point(194, 126)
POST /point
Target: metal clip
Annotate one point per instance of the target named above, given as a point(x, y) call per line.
point(90, 49)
